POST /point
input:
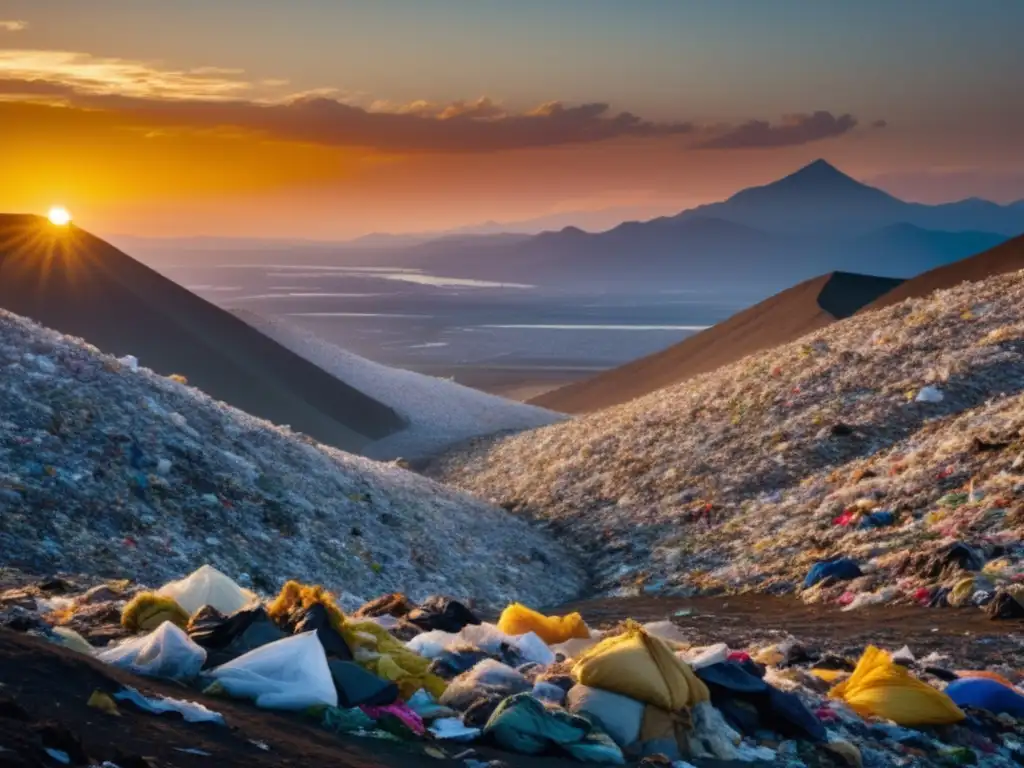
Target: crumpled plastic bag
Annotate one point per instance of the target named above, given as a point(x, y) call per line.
point(880, 688)
point(711, 737)
point(641, 667)
point(207, 586)
point(517, 619)
point(453, 729)
point(488, 682)
point(289, 674)
point(619, 715)
point(486, 637)
point(165, 652)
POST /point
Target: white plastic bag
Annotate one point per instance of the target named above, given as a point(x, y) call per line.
point(453, 729)
point(207, 586)
point(575, 647)
point(165, 652)
point(666, 630)
point(705, 657)
point(710, 736)
point(621, 716)
point(287, 674)
point(486, 637)
point(533, 649)
point(157, 705)
point(430, 645)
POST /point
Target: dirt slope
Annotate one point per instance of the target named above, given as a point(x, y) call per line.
point(75, 283)
point(1007, 257)
point(777, 320)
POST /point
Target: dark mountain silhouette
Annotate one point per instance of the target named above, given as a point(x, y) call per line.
point(820, 198)
point(1008, 257)
point(817, 219)
point(777, 320)
point(68, 280)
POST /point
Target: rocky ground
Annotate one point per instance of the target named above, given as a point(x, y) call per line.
point(742, 478)
point(111, 470)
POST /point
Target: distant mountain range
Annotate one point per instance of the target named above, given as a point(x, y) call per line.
point(817, 219)
point(813, 221)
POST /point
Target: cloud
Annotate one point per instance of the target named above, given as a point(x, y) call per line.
point(791, 131)
point(84, 74)
point(13, 26)
point(155, 100)
point(880, 124)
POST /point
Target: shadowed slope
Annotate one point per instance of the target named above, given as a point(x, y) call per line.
point(1004, 258)
point(73, 282)
point(777, 320)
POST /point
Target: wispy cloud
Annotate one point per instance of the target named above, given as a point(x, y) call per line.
point(83, 74)
point(146, 96)
point(792, 130)
point(13, 25)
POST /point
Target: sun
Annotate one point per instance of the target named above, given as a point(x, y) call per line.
point(59, 216)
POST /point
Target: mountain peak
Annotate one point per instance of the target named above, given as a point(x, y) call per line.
point(820, 170)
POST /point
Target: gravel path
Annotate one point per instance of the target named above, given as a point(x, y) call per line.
point(115, 471)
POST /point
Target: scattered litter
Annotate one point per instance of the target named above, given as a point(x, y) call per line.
point(452, 729)
point(102, 701)
point(193, 712)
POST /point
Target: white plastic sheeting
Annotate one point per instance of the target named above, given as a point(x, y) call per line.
point(207, 586)
point(165, 652)
point(289, 674)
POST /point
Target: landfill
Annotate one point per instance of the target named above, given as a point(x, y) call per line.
point(877, 461)
point(443, 680)
point(108, 468)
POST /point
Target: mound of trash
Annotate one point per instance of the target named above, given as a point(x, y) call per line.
point(109, 469)
point(439, 413)
point(439, 679)
point(892, 439)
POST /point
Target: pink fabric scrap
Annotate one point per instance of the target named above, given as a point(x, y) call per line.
point(400, 710)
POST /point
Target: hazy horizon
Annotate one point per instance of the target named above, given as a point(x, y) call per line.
point(328, 121)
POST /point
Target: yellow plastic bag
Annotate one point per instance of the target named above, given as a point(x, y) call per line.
point(642, 667)
point(880, 688)
point(962, 592)
point(517, 619)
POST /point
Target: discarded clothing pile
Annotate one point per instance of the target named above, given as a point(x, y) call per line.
point(544, 685)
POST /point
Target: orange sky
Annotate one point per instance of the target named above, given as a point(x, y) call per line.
point(191, 143)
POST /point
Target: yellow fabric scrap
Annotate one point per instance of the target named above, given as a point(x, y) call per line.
point(517, 619)
point(148, 610)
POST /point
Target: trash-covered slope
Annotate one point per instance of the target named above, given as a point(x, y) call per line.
point(689, 480)
point(113, 471)
point(439, 413)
